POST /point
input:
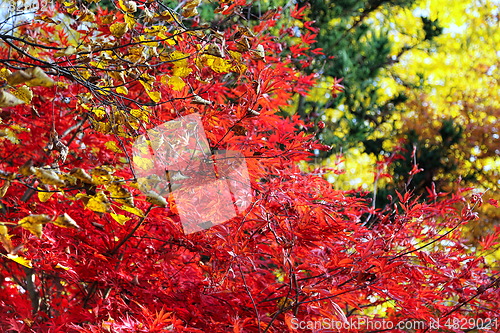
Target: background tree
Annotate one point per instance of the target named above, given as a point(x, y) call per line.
point(419, 71)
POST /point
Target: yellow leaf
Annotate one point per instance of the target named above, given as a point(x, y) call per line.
point(111, 145)
point(122, 90)
point(70, 180)
point(147, 42)
point(99, 203)
point(70, 50)
point(121, 195)
point(179, 58)
point(153, 30)
point(5, 238)
point(4, 188)
point(120, 218)
point(70, 7)
point(49, 177)
point(20, 260)
point(8, 100)
point(118, 29)
point(33, 76)
point(154, 95)
point(190, 12)
point(81, 174)
point(65, 221)
point(45, 196)
point(27, 168)
point(139, 114)
point(128, 6)
point(62, 267)
point(235, 55)
point(34, 223)
point(156, 199)
point(181, 71)
point(147, 81)
point(108, 19)
point(129, 19)
point(4, 72)
point(164, 79)
point(168, 40)
point(218, 65)
point(133, 210)
point(192, 4)
point(176, 83)
point(143, 163)
point(24, 94)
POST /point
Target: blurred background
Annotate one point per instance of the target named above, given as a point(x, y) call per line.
point(415, 73)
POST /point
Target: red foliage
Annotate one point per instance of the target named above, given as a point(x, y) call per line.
point(303, 251)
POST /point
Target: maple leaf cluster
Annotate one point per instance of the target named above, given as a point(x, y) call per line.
point(91, 245)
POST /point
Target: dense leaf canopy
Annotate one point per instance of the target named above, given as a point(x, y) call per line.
point(90, 243)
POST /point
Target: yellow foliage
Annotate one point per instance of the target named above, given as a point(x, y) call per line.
point(176, 83)
point(122, 90)
point(34, 223)
point(120, 218)
point(140, 114)
point(118, 29)
point(20, 260)
point(45, 196)
point(133, 210)
point(99, 203)
point(8, 100)
point(65, 221)
point(154, 95)
point(49, 177)
point(143, 163)
point(24, 94)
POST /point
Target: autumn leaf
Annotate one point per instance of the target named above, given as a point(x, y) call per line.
point(121, 219)
point(34, 223)
point(8, 100)
point(156, 199)
point(49, 177)
point(44, 196)
point(122, 90)
point(121, 195)
point(70, 50)
point(27, 168)
point(82, 175)
point(176, 83)
point(99, 203)
point(33, 76)
point(118, 29)
point(199, 100)
point(20, 260)
point(24, 94)
point(5, 238)
point(154, 95)
point(128, 6)
point(259, 53)
point(4, 188)
point(133, 210)
point(111, 145)
point(65, 221)
point(143, 163)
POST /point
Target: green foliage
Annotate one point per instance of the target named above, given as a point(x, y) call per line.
point(361, 51)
